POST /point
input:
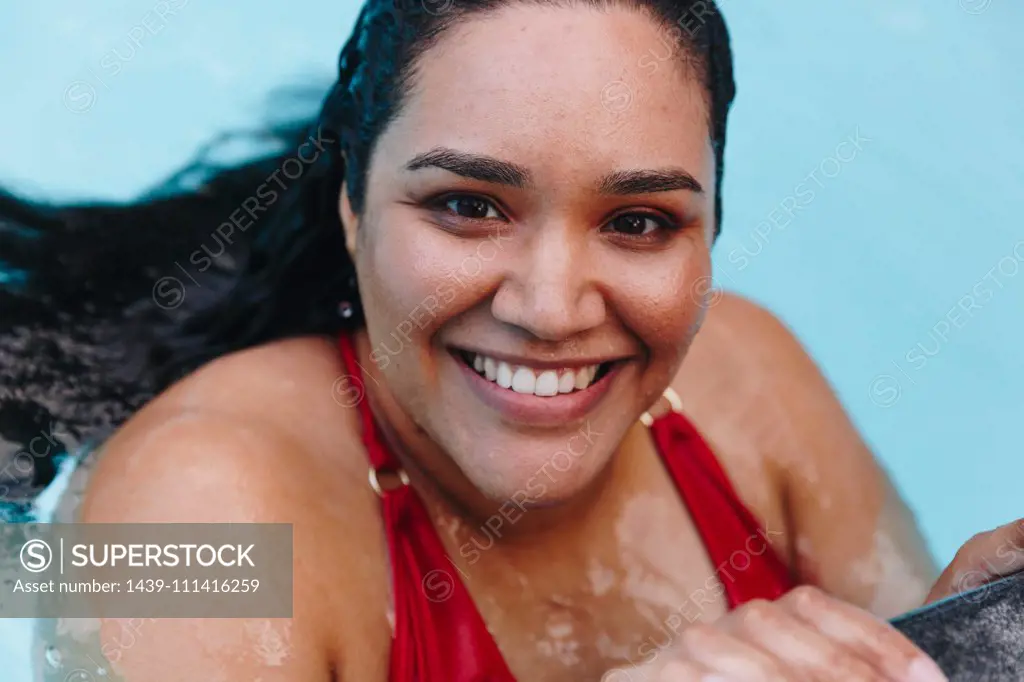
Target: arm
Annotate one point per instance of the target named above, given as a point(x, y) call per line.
point(850, 532)
point(192, 469)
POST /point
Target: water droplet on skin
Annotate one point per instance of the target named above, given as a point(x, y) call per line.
point(53, 657)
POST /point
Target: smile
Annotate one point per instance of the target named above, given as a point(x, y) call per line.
point(538, 381)
point(536, 394)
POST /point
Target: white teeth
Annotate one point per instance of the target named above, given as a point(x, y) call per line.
point(547, 384)
point(544, 383)
point(524, 381)
point(504, 375)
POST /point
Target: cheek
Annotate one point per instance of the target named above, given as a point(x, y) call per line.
point(417, 277)
point(662, 300)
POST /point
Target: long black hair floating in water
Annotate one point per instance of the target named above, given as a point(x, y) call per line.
point(103, 305)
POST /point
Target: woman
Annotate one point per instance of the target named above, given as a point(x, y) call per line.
point(481, 292)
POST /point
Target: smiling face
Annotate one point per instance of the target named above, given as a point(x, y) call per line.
point(534, 241)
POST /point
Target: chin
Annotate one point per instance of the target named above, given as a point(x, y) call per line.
point(536, 474)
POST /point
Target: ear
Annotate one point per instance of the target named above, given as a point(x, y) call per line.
point(349, 221)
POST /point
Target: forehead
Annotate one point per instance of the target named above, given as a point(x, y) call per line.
point(558, 86)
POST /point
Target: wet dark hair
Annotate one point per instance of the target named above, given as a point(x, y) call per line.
point(104, 305)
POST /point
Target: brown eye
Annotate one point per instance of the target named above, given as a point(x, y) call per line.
point(471, 207)
point(634, 224)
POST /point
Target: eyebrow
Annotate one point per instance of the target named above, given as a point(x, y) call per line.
point(650, 182)
point(473, 166)
point(495, 171)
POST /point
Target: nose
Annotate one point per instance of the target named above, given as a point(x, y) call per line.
point(550, 290)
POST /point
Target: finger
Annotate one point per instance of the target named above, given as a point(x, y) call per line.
point(806, 653)
point(689, 671)
point(681, 670)
point(715, 647)
point(983, 558)
point(665, 670)
point(873, 642)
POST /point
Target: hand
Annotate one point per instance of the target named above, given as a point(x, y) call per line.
point(805, 636)
point(982, 559)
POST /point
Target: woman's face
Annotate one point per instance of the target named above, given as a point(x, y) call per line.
point(534, 247)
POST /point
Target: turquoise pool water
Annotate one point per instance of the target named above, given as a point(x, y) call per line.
point(864, 250)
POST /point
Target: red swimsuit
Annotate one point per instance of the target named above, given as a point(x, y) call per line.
point(441, 637)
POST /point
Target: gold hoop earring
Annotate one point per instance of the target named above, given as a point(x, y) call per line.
point(674, 402)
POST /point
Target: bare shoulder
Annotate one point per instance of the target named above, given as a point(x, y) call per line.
point(748, 338)
point(749, 375)
point(257, 437)
point(264, 416)
point(743, 384)
point(799, 462)
point(746, 372)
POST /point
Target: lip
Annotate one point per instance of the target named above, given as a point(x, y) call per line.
point(525, 408)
